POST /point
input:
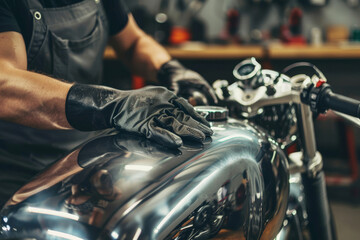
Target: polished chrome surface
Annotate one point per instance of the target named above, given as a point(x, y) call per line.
point(121, 186)
point(296, 218)
point(311, 157)
point(213, 113)
point(249, 101)
point(273, 110)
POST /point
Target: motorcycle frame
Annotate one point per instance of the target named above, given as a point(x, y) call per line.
point(309, 161)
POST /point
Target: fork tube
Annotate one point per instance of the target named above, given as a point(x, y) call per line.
point(314, 180)
point(307, 133)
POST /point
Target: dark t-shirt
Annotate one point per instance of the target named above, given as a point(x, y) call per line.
point(15, 16)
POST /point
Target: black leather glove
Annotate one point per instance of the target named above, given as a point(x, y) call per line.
point(182, 81)
point(154, 112)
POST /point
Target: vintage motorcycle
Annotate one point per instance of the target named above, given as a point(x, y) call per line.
point(242, 183)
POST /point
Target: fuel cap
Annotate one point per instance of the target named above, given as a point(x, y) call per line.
point(213, 113)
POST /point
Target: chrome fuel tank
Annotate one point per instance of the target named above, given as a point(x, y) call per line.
point(120, 186)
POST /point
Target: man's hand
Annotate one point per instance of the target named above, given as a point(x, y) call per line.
point(154, 112)
point(149, 59)
point(182, 81)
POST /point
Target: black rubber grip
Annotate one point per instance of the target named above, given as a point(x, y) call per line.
point(341, 103)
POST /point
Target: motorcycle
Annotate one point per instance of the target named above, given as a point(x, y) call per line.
point(242, 183)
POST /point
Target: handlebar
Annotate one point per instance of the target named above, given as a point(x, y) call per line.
point(322, 98)
point(341, 103)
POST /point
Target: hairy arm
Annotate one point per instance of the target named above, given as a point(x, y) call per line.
point(28, 98)
point(142, 54)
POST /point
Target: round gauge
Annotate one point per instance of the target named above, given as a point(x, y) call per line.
point(248, 72)
point(246, 69)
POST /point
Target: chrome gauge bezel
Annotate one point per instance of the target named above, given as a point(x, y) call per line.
point(253, 73)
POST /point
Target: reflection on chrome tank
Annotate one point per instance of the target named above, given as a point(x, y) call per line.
point(120, 186)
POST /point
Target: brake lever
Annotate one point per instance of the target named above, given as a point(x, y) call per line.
point(351, 119)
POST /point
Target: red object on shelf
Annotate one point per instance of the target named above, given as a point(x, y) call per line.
point(296, 15)
point(179, 35)
point(288, 38)
point(232, 22)
point(292, 32)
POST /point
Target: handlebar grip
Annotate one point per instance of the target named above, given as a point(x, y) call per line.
point(340, 103)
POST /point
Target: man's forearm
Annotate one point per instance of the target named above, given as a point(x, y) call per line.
point(32, 99)
point(142, 54)
point(148, 57)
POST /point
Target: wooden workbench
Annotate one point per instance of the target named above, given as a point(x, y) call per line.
point(216, 52)
point(327, 51)
point(201, 51)
point(271, 51)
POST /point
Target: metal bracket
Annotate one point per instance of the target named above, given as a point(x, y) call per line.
point(314, 165)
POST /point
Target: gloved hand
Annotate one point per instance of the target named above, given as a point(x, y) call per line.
point(181, 80)
point(154, 112)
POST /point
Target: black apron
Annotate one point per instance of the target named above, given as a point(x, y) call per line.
point(67, 43)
